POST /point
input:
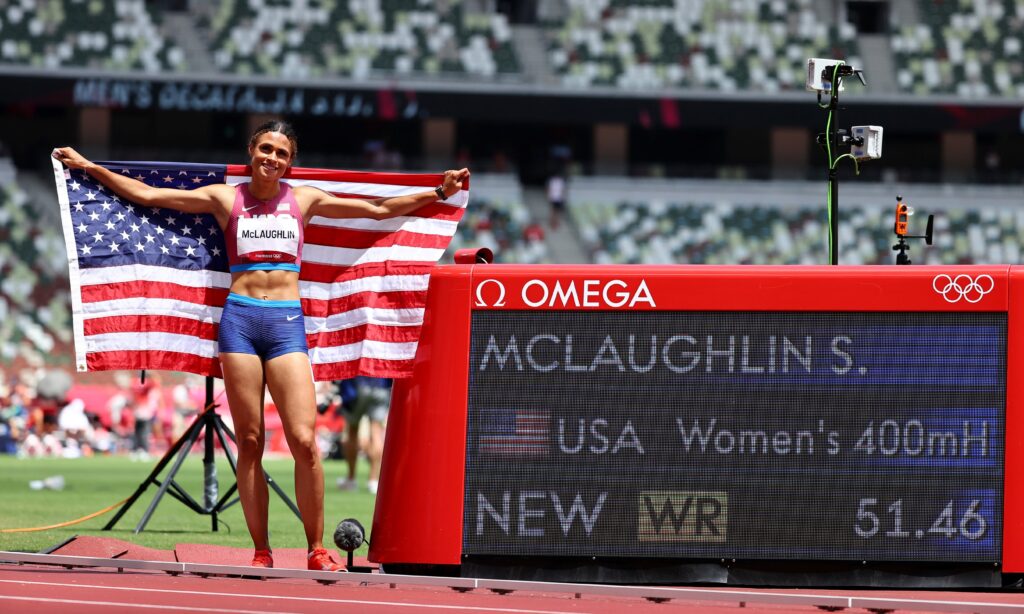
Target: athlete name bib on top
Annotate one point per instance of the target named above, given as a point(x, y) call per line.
point(268, 237)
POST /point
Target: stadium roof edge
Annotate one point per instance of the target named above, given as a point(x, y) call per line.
point(495, 87)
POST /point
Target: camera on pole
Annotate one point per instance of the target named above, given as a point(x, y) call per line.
point(825, 76)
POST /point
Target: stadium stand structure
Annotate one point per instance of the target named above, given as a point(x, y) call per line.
point(499, 220)
point(360, 38)
point(971, 49)
point(759, 45)
point(786, 223)
point(35, 317)
point(111, 35)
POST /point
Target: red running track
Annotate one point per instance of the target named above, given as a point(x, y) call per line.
point(41, 589)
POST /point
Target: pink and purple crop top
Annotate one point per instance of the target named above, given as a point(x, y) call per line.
point(264, 235)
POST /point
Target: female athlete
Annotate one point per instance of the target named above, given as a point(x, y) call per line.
point(261, 337)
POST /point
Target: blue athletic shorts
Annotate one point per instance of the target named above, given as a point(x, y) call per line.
point(267, 329)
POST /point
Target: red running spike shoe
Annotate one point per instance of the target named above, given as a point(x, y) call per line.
point(262, 558)
point(320, 560)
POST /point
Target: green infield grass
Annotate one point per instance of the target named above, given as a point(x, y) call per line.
point(91, 484)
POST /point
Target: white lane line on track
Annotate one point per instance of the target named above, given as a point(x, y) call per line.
point(282, 597)
point(115, 604)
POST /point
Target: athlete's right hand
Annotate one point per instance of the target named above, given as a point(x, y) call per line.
point(70, 157)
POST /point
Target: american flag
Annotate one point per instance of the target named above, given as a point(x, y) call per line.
point(148, 284)
point(516, 432)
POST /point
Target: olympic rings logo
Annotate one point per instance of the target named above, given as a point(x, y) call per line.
point(963, 286)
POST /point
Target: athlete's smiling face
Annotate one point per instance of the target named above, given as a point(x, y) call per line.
point(271, 156)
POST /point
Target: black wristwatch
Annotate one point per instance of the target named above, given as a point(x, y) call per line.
point(439, 190)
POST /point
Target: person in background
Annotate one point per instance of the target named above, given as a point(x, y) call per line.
point(188, 398)
point(557, 188)
point(147, 404)
point(77, 428)
point(369, 397)
point(10, 433)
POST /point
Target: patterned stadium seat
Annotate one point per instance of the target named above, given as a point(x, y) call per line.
point(503, 226)
point(710, 44)
point(971, 49)
point(35, 321)
point(360, 38)
point(117, 35)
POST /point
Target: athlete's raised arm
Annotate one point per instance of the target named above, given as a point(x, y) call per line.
point(326, 205)
point(207, 199)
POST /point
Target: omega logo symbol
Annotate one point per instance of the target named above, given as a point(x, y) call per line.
point(482, 302)
point(963, 286)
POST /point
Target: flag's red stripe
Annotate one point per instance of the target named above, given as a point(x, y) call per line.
point(364, 239)
point(323, 174)
point(438, 211)
point(213, 297)
point(365, 332)
point(150, 323)
point(365, 366)
point(434, 211)
point(152, 359)
point(330, 273)
point(400, 299)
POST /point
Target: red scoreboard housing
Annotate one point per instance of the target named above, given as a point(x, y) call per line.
point(710, 417)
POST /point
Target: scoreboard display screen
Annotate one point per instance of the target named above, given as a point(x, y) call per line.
point(755, 435)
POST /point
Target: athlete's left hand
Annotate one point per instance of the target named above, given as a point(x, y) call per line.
point(452, 182)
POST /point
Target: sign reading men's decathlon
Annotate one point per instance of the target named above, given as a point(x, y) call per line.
point(604, 420)
point(243, 98)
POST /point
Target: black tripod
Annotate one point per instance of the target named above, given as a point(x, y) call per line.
point(209, 424)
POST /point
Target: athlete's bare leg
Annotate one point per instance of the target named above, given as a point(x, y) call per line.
point(376, 448)
point(352, 447)
point(290, 381)
point(243, 383)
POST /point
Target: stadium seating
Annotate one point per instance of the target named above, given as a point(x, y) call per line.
point(35, 317)
point(505, 228)
point(497, 218)
point(971, 49)
point(115, 35)
point(360, 38)
point(733, 231)
point(967, 48)
point(710, 44)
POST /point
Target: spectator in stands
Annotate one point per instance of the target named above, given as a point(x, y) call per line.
point(533, 232)
point(368, 397)
point(262, 337)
